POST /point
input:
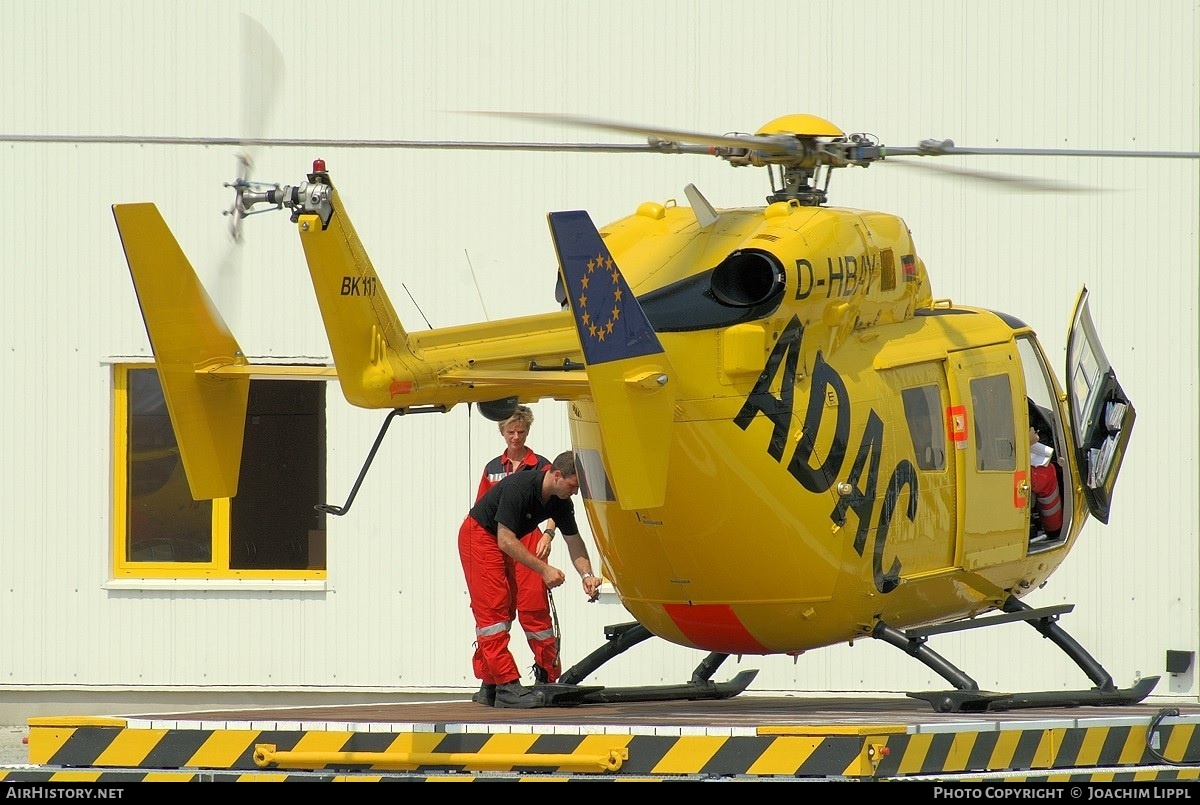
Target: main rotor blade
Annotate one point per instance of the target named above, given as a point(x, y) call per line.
point(658, 147)
point(732, 140)
point(938, 148)
point(786, 145)
point(287, 142)
point(1007, 180)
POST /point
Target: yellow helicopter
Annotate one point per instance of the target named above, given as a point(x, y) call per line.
point(784, 373)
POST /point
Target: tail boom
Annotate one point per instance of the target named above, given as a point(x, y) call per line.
point(382, 365)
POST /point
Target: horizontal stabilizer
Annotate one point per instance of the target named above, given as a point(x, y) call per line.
point(632, 381)
point(190, 340)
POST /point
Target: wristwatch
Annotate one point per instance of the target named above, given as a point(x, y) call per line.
point(588, 575)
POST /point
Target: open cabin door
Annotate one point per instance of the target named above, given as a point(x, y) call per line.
point(1048, 417)
point(1101, 415)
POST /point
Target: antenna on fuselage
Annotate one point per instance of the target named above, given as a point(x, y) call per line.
point(475, 279)
point(418, 307)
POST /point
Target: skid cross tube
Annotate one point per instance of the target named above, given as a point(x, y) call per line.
point(620, 638)
point(915, 647)
point(969, 698)
point(1050, 629)
point(1010, 616)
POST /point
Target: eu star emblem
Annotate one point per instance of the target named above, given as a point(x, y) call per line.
point(611, 323)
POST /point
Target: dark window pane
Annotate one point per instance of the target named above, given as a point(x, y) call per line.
point(164, 523)
point(275, 523)
point(995, 428)
point(923, 410)
point(593, 480)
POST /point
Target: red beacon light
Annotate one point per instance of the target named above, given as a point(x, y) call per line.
point(318, 166)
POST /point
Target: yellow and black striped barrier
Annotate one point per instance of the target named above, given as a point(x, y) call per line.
point(96, 749)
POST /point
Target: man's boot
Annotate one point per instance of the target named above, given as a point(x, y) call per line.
point(486, 695)
point(540, 675)
point(516, 695)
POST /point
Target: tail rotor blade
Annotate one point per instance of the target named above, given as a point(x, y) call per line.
point(259, 84)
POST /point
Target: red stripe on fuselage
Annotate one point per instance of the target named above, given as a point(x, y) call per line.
point(714, 627)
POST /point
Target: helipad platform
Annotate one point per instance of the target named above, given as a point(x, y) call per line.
point(742, 739)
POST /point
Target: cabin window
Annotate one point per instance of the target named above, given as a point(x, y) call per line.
point(995, 434)
point(270, 529)
point(593, 480)
point(887, 270)
point(923, 410)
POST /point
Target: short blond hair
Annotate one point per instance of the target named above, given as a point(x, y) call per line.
point(522, 414)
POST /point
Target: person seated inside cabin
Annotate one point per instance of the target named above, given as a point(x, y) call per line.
point(1046, 518)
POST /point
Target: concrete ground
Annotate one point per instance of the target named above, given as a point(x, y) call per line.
point(13, 751)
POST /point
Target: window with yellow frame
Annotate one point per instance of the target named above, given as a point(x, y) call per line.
point(270, 530)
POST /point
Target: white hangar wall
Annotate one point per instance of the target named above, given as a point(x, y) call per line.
point(464, 234)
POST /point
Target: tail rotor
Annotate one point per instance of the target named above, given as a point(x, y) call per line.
point(260, 81)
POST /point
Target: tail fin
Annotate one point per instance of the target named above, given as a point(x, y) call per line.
point(189, 339)
point(632, 380)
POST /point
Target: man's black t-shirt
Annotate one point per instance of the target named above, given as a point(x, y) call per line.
point(516, 502)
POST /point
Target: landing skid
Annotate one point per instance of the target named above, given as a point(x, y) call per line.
point(968, 698)
point(567, 692)
point(977, 701)
point(559, 695)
